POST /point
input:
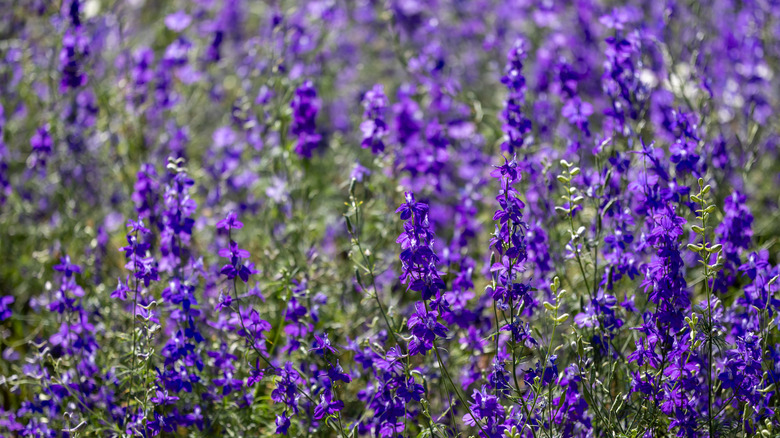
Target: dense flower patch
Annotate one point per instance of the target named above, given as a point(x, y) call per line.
point(389, 218)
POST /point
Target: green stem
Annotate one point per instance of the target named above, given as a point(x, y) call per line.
point(452, 383)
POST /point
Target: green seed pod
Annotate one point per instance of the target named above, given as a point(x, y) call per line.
point(358, 277)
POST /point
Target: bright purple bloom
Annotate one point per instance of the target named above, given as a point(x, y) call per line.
point(5, 307)
point(305, 107)
point(374, 128)
point(67, 267)
point(235, 268)
point(230, 222)
point(425, 327)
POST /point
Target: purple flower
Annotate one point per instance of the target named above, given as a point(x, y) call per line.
point(162, 397)
point(359, 172)
point(577, 112)
point(282, 424)
point(67, 267)
point(486, 408)
point(228, 383)
point(412, 207)
point(230, 222)
point(42, 145)
point(255, 375)
point(286, 391)
point(328, 406)
point(121, 290)
point(178, 21)
point(235, 267)
point(516, 124)
point(322, 345)
point(146, 193)
point(684, 156)
point(5, 307)
point(417, 256)
point(374, 128)
point(75, 50)
point(425, 327)
point(305, 106)
point(336, 374)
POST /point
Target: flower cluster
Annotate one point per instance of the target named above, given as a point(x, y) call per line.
point(374, 127)
point(305, 106)
point(516, 124)
point(418, 259)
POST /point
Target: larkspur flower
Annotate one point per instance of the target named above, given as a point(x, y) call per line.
point(417, 256)
point(425, 328)
point(374, 127)
point(322, 345)
point(67, 268)
point(488, 408)
point(5, 307)
point(178, 21)
point(305, 107)
point(230, 222)
point(235, 268)
point(42, 146)
point(516, 125)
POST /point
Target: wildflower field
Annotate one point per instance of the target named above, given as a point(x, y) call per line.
point(389, 218)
